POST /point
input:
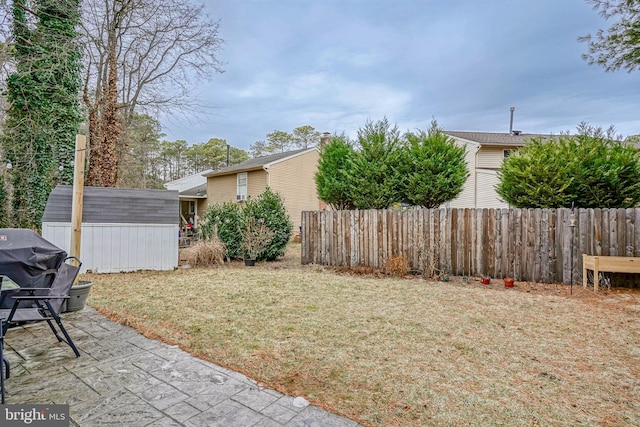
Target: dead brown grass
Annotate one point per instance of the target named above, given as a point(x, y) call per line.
point(400, 351)
point(204, 253)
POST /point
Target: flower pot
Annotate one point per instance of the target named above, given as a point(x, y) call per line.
point(249, 262)
point(78, 296)
point(485, 280)
point(508, 282)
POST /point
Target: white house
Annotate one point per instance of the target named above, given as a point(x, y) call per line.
point(485, 152)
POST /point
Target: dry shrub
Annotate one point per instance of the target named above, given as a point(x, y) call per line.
point(396, 266)
point(205, 253)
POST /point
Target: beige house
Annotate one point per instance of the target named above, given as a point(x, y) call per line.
point(290, 174)
point(485, 152)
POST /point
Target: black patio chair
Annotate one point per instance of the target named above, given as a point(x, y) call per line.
point(30, 307)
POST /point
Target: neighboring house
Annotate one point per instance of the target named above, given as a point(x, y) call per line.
point(290, 174)
point(192, 192)
point(485, 152)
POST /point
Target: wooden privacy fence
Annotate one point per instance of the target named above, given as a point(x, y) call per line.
point(527, 244)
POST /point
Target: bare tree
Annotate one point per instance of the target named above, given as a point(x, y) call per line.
point(152, 51)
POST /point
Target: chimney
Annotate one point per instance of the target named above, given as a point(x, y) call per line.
point(324, 139)
point(512, 109)
point(228, 154)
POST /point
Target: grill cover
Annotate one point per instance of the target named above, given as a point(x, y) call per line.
point(28, 259)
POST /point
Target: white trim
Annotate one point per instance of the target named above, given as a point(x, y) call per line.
point(242, 190)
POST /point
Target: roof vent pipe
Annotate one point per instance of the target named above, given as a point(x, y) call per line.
point(512, 109)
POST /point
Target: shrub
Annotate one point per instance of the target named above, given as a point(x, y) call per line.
point(205, 253)
point(396, 266)
point(374, 174)
point(256, 237)
point(334, 181)
point(586, 171)
point(433, 170)
point(228, 221)
point(224, 220)
point(268, 209)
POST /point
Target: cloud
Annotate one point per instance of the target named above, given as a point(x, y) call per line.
point(335, 64)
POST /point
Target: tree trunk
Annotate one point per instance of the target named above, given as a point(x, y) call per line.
point(111, 123)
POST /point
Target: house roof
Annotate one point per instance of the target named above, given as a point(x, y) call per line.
point(496, 138)
point(196, 192)
point(114, 206)
point(190, 186)
point(258, 163)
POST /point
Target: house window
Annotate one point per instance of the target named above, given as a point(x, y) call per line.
point(507, 153)
point(241, 193)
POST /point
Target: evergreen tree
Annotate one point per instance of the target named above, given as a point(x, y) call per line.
point(375, 166)
point(433, 170)
point(584, 170)
point(334, 178)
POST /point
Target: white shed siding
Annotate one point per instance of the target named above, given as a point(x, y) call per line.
point(113, 248)
point(486, 196)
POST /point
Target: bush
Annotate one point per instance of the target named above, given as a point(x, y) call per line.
point(224, 220)
point(374, 174)
point(256, 237)
point(205, 253)
point(396, 266)
point(228, 221)
point(268, 209)
point(334, 181)
point(586, 171)
point(433, 170)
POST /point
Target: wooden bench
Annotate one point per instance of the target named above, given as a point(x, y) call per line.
point(611, 264)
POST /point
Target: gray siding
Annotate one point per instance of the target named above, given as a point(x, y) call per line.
point(114, 206)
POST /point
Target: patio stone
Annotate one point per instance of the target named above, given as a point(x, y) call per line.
point(254, 398)
point(123, 378)
point(182, 411)
point(279, 413)
point(226, 414)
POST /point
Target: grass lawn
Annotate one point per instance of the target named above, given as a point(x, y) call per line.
point(400, 351)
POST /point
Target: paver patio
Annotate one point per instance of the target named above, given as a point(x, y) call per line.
point(123, 378)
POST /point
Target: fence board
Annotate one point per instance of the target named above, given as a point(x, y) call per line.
point(528, 244)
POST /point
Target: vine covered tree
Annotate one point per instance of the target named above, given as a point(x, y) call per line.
point(617, 47)
point(44, 110)
point(142, 57)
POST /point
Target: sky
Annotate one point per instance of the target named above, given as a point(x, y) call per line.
point(335, 64)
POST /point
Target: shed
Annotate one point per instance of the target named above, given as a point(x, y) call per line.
point(123, 229)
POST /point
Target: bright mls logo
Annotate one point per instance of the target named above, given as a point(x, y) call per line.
point(34, 415)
